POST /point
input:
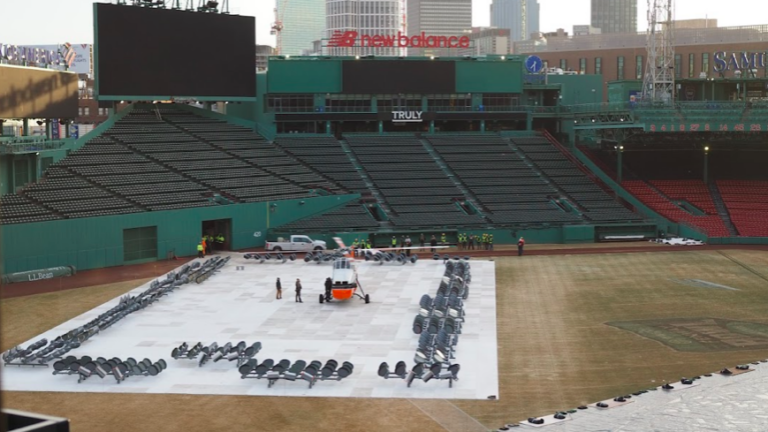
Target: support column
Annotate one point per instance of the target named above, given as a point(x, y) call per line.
point(381, 127)
point(706, 165)
point(482, 126)
point(432, 127)
point(328, 127)
point(619, 163)
point(48, 129)
point(529, 121)
point(25, 127)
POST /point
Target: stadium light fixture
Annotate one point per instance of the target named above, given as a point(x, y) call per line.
point(357, 57)
point(431, 57)
point(212, 4)
point(503, 57)
point(706, 148)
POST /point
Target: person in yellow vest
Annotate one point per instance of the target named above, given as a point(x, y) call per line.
point(220, 241)
point(355, 245)
point(368, 244)
point(443, 239)
point(200, 250)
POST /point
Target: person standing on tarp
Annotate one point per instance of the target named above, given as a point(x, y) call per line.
point(298, 291)
point(520, 246)
point(328, 287)
point(200, 250)
point(279, 287)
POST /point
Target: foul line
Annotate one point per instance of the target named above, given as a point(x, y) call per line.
point(744, 266)
point(449, 422)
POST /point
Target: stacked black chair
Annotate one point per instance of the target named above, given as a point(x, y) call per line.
point(86, 367)
point(240, 352)
point(283, 370)
point(261, 258)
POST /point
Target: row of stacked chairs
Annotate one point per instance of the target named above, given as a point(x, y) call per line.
point(86, 367)
point(438, 324)
point(240, 352)
point(311, 372)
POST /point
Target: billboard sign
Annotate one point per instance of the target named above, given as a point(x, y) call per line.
point(351, 38)
point(407, 116)
point(78, 56)
point(74, 131)
point(44, 56)
point(55, 132)
point(725, 61)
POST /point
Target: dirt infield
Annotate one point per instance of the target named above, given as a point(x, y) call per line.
point(103, 276)
point(555, 347)
point(89, 278)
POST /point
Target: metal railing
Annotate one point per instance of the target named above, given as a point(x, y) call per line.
point(16, 145)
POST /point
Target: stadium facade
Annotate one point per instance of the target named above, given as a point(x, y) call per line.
point(372, 146)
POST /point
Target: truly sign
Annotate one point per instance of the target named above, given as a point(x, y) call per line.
point(407, 116)
point(352, 38)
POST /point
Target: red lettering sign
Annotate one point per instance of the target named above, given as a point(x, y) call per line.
point(739, 127)
point(345, 39)
point(663, 128)
point(694, 127)
point(755, 128)
point(724, 128)
point(682, 128)
point(653, 128)
point(706, 126)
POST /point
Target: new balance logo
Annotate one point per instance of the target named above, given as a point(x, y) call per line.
point(342, 39)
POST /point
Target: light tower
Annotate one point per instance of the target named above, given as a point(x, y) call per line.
point(659, 82)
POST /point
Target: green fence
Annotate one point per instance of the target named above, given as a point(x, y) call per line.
point(88, 243)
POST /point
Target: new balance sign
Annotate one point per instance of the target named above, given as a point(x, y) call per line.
point(353, 38)
point(407, 116)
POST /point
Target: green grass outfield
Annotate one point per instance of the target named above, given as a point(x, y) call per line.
point(556, 347)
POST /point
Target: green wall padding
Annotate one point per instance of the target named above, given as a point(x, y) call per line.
point(489, 77)
point(304, 76)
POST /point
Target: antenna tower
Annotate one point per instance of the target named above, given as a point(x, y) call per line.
point(659, 82)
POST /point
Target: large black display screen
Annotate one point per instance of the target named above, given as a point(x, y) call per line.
point(161, 52)
point(399, 76)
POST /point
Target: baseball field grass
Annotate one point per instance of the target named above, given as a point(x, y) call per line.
point(572, 330)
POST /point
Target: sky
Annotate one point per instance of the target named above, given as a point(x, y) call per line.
point(38, 22)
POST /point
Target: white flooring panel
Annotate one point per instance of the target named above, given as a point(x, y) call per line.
point(240, 305)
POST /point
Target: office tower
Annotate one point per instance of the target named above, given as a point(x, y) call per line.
point(303, 21)
point(508, 14)
point(615, 16)
point(438, 18)
point(367, 18)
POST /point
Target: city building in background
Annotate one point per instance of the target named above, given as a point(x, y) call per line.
point(437, 18)
point(365, 18)
point(697, 23)
point(508, 14)
point(262, 56)
point(585, 30)
point(488, 40)
point(614, 16)
point(302, 21)
point(700, 54)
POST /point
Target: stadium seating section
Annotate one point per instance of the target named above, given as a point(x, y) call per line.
point(168, 158)
point(669, 198)
point(747, 204)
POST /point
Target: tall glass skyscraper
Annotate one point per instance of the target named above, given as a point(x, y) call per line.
point(303, 23)
point(615, 16)
point(507, 14)
point(367, 18)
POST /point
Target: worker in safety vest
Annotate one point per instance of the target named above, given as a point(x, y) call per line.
point(206, 246)
point(368, 244)
point(220, 241)
point(444, 239)
point(394, 241)
point(355, 245)
point(200, 250)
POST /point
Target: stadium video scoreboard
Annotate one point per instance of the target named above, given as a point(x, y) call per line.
point(149, 53)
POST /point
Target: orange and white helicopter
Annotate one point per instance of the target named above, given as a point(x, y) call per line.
point(345, 281)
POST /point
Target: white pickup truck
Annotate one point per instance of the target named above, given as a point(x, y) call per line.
point(297, 243)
